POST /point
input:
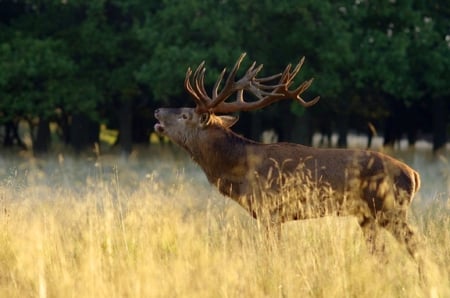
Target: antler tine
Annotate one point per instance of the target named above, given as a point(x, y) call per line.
point(305, 85)
point(200, 85)
point(217, 83)
point(286, 75)
point(187, 79)
point(310, 103)
point(187, 83)
point(229, 86)
point(252, 71)
point(196, 89)
point(298, 67)
point(233, 72)
point(287, 80)
point(240, 96)
point(196, 75)
point(191, 91)
point(238, 63)
point(199, 69)
point(268, 79)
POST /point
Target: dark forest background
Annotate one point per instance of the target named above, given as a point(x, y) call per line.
point(76, 64)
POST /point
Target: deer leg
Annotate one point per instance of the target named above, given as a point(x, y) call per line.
point(370, 231)
point(404, 234)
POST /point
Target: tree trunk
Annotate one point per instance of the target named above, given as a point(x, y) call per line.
point(284, 122)
point(439, 123)
point(65, 128)
point(392, 132)
point(126, 127)
point(142, 124)
point(12, 135)
point(256, 126)
point(84, 132)
point(8, 140)
point(342, 128)
point(42, 142)
point(301, 129)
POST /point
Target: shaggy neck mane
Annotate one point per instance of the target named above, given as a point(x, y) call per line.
point(218, 151)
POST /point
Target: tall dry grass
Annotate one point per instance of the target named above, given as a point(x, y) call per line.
point(155, 228)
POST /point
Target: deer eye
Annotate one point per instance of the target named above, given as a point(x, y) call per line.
point(184, 116)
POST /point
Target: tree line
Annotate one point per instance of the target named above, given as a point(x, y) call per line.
point(380, 64)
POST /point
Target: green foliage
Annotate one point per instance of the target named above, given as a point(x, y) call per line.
point(181, 34)
point(83, 56)
point(382, 45)
point(34, 76)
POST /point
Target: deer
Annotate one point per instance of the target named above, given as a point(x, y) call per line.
point(280, 182)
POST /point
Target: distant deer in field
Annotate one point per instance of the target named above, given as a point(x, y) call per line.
point(283, 181)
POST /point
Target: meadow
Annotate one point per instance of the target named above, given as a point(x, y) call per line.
point(152, 226)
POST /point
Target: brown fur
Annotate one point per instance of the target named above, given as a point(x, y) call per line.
point(277, 182)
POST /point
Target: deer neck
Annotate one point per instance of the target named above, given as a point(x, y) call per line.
point(221, 154)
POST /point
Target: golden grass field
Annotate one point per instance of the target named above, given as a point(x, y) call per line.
point(153, 227)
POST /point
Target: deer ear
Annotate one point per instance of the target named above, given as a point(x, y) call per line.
point(228, 121)
point(204, 118)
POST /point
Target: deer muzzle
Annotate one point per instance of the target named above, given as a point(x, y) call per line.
point(159, 127)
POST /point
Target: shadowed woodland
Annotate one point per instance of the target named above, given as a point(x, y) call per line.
point(380, 67)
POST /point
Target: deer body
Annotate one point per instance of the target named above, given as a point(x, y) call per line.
point(279, 182)
point(240, 167)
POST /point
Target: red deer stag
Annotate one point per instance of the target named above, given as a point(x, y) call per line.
point(284, 181)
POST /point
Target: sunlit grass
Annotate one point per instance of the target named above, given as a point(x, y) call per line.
point(155, 228)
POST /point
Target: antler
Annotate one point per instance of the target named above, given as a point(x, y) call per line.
point(266, 94)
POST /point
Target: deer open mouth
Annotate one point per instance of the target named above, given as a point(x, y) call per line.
point(159, 128)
